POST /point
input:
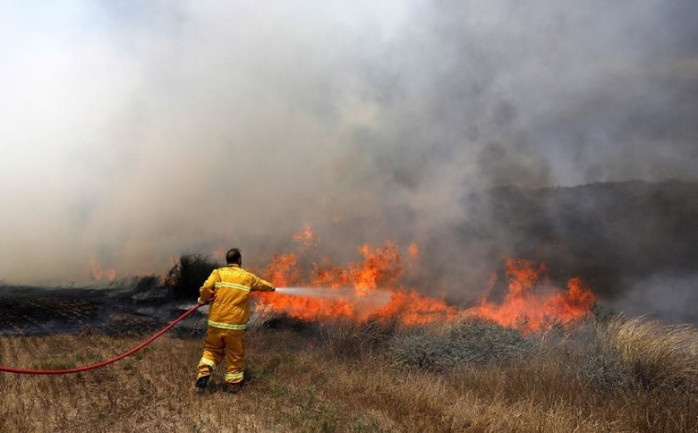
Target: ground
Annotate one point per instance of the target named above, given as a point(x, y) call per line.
point(373, 377)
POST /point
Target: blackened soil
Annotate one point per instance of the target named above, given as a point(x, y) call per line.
point(39, 311)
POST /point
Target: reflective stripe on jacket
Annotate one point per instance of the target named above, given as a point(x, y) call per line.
point(230, 289)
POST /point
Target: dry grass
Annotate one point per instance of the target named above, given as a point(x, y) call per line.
point(656, 355)
point(310, 380)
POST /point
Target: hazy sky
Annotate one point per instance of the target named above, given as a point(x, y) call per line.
point(134, 131)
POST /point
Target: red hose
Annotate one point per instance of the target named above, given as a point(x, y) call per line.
point(107, 362)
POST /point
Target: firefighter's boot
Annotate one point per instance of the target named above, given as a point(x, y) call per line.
point(201, 383)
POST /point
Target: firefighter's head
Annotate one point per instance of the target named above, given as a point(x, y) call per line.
point(233, 257)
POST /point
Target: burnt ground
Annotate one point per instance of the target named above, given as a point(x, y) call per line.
point(33, 311)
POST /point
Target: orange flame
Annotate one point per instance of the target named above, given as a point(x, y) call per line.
point(381, 267)
point(413, 251)
point(371, 289)
point(414, 309)
point(99, 273)
point(306, 238)
point(531, 303)
point(282, 270)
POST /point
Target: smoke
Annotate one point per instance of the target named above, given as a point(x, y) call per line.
point(134, 132)
point(669, 297)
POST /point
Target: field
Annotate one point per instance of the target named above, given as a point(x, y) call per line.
point(610, 376)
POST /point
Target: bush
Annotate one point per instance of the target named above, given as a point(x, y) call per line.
point(186, 277)
point(352, 340)
point(473, 342)
point(146, 283)
point(286, 322)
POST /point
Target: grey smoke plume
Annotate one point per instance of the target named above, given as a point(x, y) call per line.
point(134, 132)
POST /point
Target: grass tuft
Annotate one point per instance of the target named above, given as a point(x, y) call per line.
point(472, 342)
point(60, 363)
point(653, 354)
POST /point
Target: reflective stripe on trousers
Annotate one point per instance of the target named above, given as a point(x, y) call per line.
point(208, 362)
point(233, 377)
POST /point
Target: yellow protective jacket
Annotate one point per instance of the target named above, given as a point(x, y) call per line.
point(230, 287)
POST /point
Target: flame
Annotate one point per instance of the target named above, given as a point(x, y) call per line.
point(381, 267)
point(412, 255)
point(414, 309)
point(413, 251)
point(282, 270)
point(371, 289)
point(99, 273)
point(531, 302)
point(306, 237)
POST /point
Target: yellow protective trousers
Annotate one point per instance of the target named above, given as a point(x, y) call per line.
point(223, 342)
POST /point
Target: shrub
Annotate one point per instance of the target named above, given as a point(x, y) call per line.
point(473, 342)
point(286, 322)
point(145, 283)
point(186, 277)
point(359, 339)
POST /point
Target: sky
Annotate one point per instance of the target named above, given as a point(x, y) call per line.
point(132, 132)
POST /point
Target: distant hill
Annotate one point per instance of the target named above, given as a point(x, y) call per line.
point(603, 231)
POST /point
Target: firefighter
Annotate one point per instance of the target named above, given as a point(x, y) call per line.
point(228, 290)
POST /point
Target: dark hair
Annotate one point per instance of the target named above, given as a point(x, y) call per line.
point(233, 256)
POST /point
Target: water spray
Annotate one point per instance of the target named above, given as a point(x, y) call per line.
point(376, 296)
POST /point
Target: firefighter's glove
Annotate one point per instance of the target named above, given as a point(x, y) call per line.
point(200, 302)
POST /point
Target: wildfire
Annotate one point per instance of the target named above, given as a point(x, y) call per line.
point(371, 289)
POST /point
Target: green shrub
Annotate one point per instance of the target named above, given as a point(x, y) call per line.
point(472, 342)
point(186, 277)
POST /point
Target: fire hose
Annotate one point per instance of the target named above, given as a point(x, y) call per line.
point(109, 361)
